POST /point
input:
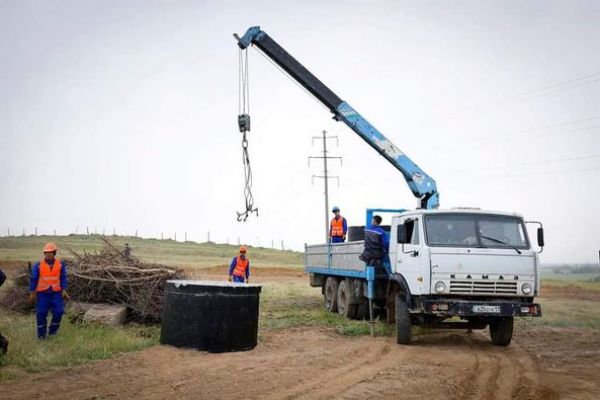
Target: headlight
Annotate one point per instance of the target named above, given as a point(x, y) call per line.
point(440, 286)
point(526, 288)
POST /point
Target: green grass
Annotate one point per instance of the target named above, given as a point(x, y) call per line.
point(297, 304)
point(551, 276)
point(566, 313)
point(74, 344)
point(170, 252)
point(583, 284)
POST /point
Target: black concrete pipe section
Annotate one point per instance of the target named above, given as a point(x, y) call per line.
point(209, 315)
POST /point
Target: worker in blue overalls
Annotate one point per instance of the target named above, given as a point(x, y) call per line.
point(239, 270)
point(48, 286)
point(377, 243)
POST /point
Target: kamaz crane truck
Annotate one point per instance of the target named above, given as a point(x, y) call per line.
point(454, 268)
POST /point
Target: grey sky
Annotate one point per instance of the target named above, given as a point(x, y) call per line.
point(123, 114)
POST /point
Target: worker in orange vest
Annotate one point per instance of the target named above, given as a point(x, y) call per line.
point(48, 286)
point(239, 270)
point(338, 227)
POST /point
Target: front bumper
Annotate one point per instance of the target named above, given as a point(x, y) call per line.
point(483, 308)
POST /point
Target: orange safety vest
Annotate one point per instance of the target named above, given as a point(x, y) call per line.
point(240, 266)
point(337, 227)
point(49, 277)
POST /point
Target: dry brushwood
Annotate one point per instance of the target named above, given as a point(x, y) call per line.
point(15, 299)
point(112, 276)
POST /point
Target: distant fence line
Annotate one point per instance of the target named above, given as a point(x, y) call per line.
point(8, 233)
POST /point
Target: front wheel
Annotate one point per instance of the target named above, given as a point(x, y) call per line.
point(403, 322)
point(501, 330)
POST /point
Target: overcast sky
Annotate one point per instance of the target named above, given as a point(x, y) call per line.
point(123, 114)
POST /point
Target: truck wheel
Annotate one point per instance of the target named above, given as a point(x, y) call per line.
point(344, 307)
point(501, 330)
point(331, 293)
point(403, 322)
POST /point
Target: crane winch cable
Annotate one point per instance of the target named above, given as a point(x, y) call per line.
point(244, 126)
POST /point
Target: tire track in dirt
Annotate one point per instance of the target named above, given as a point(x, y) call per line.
point(339, 379)
point(312, 363)
point(500, 373)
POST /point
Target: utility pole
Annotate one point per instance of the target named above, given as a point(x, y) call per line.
point(326, 175)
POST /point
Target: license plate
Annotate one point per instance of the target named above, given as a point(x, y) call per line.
point(486, 309)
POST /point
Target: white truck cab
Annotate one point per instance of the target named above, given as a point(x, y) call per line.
point(464, 252)
point(456, 268)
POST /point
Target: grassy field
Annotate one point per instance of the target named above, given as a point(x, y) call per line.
point(283, 305)
point(170, 252)
point(75, 344)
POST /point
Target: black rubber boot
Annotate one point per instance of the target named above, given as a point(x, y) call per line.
point(3, 344)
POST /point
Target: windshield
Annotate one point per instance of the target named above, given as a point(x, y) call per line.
point(475, 230)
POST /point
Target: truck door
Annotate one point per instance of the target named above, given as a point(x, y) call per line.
point(410, 257)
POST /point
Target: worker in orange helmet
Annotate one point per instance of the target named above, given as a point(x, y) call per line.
point(48, 284)
point(239, 270)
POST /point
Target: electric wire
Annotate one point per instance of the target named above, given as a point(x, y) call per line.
point(526, 164)
point(526, 175)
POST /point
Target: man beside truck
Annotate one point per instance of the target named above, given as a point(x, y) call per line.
point(376, 243)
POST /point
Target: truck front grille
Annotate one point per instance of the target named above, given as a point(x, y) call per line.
point(483, 287)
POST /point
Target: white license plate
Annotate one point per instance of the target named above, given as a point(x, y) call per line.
point(486, 309)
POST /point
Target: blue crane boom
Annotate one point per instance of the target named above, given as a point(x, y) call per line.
point(421, 184)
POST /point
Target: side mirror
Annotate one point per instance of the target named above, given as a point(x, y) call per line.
point(401, 233)
point(540, 237)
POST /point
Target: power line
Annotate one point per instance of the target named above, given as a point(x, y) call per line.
point(325, 175)
point(542, 162)
point(519, 134)
point(555, 87)
point(567, 84)
point(528, 175)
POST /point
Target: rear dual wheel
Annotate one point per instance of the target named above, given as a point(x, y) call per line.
point(345, 309)
point(331, 294)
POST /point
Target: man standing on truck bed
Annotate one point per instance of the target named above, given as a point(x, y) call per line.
point(239, 270)
point(376, 243)
point(338, 227)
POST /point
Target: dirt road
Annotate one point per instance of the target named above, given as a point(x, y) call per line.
point(318, 363)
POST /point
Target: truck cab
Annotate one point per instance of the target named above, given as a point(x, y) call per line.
point(455, 268)
point(464, 252)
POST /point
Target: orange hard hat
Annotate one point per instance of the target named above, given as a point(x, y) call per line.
point(243, 249)
point(50, 247)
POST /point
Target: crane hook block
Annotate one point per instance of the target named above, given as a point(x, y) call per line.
point(244, 122)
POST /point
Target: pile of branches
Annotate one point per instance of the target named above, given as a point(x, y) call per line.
point(114, 276)
point(15, 296)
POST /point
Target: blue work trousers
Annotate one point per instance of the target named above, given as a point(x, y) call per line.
point(337, 239)
point(238, 279)
point(49, 301)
